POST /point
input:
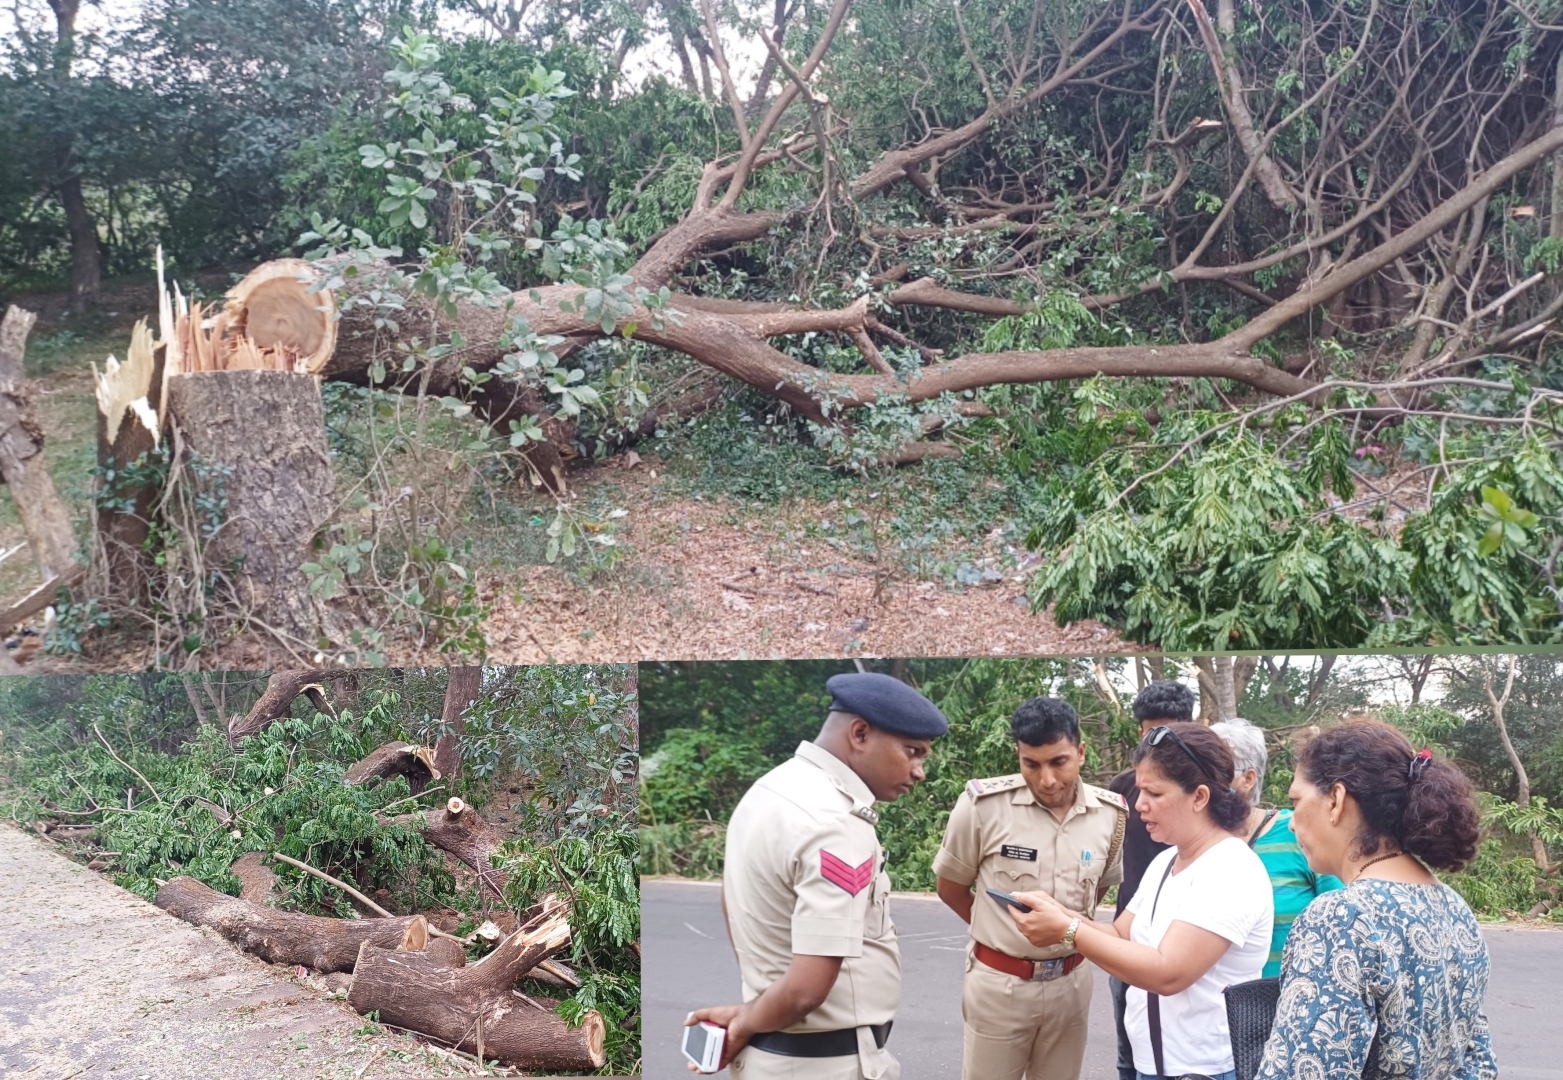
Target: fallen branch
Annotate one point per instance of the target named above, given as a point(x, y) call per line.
point(279, 937)
point(414, 991)
point(127, 765)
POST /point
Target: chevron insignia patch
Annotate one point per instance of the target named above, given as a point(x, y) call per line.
point(854, 879)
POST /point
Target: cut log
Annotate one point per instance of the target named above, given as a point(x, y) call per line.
point(466, 1005)
point(281, 688)
point(45, 519)
point(256, 878)
point(458, 829)
point(255, 443)
point(416, 763)
point(279, 937)
point(273, 308)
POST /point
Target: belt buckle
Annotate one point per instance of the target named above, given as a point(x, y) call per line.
point(1047, 970)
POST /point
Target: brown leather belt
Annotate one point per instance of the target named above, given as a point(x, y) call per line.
point(1030, 970)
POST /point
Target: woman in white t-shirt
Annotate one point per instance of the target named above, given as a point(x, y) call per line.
point(1201, 919)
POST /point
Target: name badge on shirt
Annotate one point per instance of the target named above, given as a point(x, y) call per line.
point(1013, 851)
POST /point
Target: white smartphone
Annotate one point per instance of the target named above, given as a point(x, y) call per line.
point(703, 1045)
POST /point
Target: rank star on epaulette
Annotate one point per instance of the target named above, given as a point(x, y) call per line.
point(866, 813)
point(992, 784)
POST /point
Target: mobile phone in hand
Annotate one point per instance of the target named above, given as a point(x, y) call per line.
point(1003, 898)
point(703, 1046)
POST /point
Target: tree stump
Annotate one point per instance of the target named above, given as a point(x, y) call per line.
point(45, 519)
point(473, 1005)
point(129, 396)
point(279, 937)
point(252, 443)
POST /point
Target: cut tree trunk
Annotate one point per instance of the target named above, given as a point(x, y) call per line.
point(395, 759)
point(281, 688)
point(458, 829)
point(279, 937)
point(256, 878)
point(45, 519)
point(475, 1006)
point(466, 682)
point(254, 442)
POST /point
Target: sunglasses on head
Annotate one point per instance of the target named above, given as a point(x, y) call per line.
point(1158, 735)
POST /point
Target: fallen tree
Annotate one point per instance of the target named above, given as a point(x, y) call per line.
point(460, 830)
point(279, 937)
point(282, 687)
point(475, 1007)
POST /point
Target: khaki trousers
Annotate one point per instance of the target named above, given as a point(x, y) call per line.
point(1018, 1027)
point(869, 1063)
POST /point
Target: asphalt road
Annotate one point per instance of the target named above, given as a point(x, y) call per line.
point(687, 962)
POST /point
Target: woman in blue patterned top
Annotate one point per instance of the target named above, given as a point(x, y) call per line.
point(1383, 979)
point(1270, 835)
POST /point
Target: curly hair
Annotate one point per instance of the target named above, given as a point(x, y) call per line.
point(1429, 811)
point(1164, 699)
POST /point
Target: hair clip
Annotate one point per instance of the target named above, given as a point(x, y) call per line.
point(1418, 764)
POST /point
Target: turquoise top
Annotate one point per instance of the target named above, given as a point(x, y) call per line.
point(1294, 883)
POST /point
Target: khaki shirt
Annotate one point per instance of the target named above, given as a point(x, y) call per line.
point(1000, 837)
point(804, 873)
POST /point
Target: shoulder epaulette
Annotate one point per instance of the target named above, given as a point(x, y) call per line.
point(993, 784)
point(1108, 796)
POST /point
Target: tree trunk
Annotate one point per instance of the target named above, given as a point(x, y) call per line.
point(45, 519)
point(281, 688)
point(279, 937)
point(473, 1006)
point(256, 878)
point(1498, 702)
point(458, 829)
point(466, 683)
point(395, 759)
point(254, 442)
point(86, 258)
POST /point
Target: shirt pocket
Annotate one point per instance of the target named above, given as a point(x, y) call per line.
point(876, 921)
point(1012, 876)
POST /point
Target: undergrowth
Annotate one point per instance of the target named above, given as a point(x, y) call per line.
point(167, 796)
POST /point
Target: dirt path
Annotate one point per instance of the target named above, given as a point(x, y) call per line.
point(97, 982)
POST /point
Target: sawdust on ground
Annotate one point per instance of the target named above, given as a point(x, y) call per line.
point(97, 982)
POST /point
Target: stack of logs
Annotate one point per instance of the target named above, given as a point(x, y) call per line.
point(410, 973)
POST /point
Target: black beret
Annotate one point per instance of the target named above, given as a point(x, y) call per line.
point(886, 702)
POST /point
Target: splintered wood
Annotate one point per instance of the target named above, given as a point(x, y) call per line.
point(270, 321)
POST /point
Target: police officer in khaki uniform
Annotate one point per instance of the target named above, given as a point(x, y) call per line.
point(1041, 830)
point(806, 895)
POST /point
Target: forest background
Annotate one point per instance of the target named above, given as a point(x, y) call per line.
point(1229, 327)
point(147, 777)
point(711, 729)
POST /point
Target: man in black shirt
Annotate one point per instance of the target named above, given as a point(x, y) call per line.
point(1161, 702)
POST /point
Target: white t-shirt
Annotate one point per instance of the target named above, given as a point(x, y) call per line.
point(1227, 892)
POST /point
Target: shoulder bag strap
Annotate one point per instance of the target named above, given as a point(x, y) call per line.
point(1153, 1001)
point(1118, 833)
point(1254, 839)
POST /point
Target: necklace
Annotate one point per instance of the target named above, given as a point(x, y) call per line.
point(1376, 858)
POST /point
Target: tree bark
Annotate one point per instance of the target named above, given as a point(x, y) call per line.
point(395, 759)
point(474, 1006)
point(255, 441)
point(1498, 703)
point(279, 937)
point(466, 683)
point(86, 258)
point(45, 519)
point(281, 688)
point(458, 829)
point(257, 880)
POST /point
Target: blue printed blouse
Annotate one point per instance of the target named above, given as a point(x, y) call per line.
point(1385, 981)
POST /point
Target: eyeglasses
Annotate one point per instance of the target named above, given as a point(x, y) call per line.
point(1157, 735)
